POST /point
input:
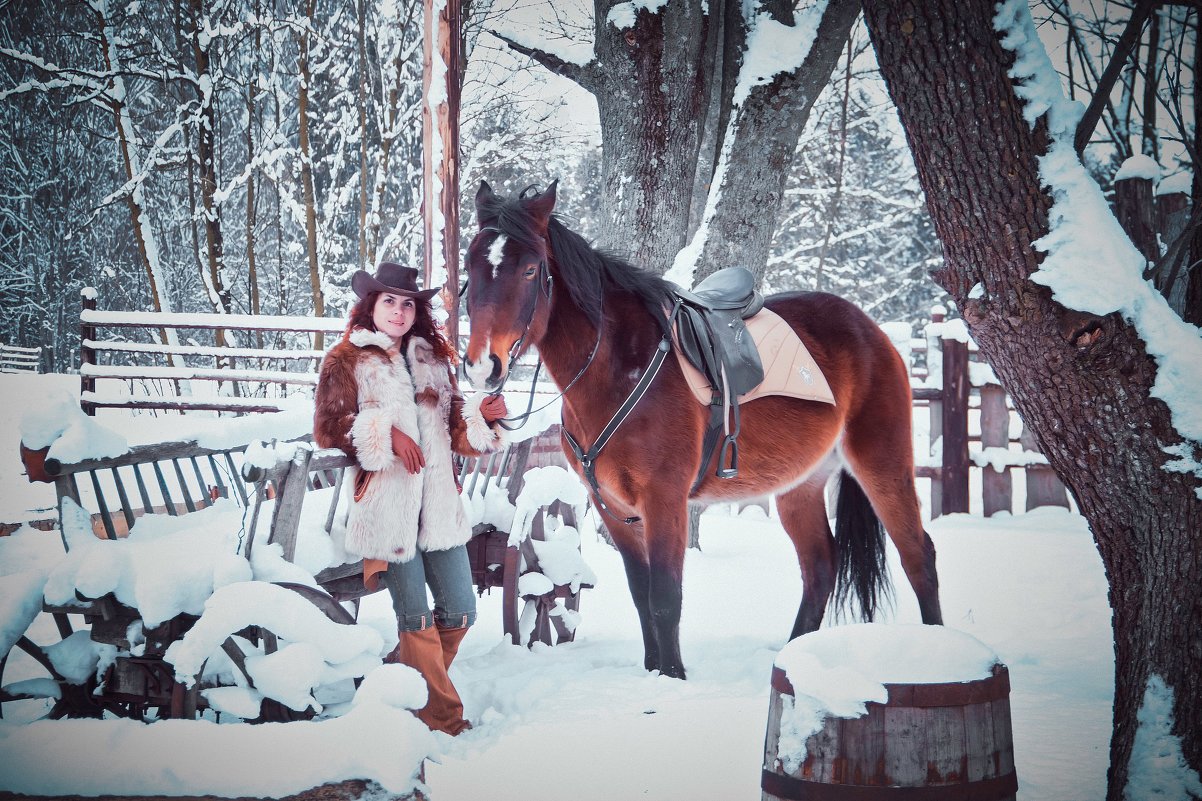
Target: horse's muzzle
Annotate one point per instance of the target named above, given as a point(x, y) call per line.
point(484, 374)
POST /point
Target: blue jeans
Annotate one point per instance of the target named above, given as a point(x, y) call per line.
point(449, 575)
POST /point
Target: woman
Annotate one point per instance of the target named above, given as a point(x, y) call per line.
point(387, 396)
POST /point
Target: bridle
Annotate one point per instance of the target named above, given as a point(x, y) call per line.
point(547, 287)
point(588, 458)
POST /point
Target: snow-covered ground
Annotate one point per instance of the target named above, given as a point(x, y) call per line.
point(585, 721)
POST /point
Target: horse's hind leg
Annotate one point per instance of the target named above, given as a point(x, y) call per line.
point(885, 471)
point(802, 511)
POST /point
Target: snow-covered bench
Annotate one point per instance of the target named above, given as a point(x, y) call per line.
point(257, 517)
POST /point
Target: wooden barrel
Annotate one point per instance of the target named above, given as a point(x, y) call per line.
point(934, 742)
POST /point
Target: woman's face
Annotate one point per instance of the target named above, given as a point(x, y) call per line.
point(393, 315)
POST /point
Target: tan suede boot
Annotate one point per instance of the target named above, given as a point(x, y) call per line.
point(423, 651)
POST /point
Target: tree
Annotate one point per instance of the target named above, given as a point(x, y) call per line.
point(1082, 381)
point(659, 72)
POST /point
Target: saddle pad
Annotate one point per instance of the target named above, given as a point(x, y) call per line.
point(789, 369)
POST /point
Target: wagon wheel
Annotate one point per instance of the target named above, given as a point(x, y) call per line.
point(32, 688)
point(273, 711)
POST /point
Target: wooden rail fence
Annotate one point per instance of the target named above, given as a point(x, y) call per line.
point(969, 413)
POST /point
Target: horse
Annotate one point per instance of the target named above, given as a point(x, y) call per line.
point(596, 322)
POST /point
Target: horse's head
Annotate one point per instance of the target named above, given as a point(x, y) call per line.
point(508, 281)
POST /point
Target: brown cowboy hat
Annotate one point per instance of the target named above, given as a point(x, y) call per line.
point(390, 277)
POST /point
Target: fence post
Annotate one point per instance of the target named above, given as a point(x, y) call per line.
point(1044, 487)
point(1172, 214)
point(935, 407)
point(996, 487)
point(87, 355)
point(1135, 210)
point(955, 425)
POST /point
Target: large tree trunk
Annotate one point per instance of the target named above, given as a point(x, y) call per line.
point(652, 98)
point(759, 144)
point(1081, 383)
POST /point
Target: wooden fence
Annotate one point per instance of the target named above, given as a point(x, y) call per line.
point(972, 426)
point(969, 413)
point(247, 379)
point(14, 359)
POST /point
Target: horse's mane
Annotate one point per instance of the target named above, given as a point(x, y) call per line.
point(584, 270)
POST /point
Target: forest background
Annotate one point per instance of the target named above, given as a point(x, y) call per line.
point(247, 156)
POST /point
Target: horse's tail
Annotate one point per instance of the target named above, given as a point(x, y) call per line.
point(860, 542)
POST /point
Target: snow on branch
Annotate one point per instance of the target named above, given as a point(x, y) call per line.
point(556, 63)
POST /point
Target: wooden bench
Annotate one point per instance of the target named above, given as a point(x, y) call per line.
point(181, 478)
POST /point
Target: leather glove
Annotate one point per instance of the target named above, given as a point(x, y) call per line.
point(493, 408)
point(407, 451)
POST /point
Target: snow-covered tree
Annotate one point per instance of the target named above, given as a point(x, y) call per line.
point(1098, 366)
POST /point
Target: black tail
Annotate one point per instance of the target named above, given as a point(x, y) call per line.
point(860, 542)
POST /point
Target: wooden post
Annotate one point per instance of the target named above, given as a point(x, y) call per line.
point(995, 433)
point(86, 354)
point(440, 154)
point(1044, 487)
point(935, 407)
point(1172, 215)
point(955, 425)
point(1134, 207)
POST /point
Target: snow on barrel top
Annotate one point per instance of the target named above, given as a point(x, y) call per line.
point(820, 663)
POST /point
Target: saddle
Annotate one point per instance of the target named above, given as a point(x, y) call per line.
point(713, 337)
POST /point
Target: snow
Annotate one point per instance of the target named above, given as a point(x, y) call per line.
point(1000, 458)
point(774, 48)
point(622, 16)
point(1030, 586)
point(835, 671)
point(1140, 166)
point(377, 739)
point(1091, 264)
point(1158, 769)
point(71, 434)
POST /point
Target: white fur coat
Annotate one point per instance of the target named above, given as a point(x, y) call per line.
point(365, 390)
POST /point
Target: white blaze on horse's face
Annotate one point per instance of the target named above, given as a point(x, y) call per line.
point(496, 253)
point(490, 264)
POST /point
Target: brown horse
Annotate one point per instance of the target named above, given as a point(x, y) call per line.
point(596, 322)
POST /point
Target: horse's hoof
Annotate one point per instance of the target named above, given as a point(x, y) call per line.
point(673, 672)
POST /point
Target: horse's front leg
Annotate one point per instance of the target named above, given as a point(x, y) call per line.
point(628, 538)
point(666, 533)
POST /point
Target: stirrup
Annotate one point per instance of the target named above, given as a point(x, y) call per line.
point(729, 446)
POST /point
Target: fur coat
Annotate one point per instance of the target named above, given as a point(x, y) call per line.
point(365, 390)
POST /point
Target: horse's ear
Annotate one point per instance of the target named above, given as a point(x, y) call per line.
point(485, 205)
point(541, 206)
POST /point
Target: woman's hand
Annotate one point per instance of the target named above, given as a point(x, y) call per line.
point(407, 451)
point(493, 408)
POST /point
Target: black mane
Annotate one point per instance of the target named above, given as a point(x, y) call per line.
point(585, 271)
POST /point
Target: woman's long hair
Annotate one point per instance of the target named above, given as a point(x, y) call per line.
point(424, 325)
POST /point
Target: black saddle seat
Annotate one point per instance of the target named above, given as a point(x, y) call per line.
point(730, 289)
point(713, 336)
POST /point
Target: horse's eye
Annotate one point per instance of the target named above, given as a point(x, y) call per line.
point(531, 271)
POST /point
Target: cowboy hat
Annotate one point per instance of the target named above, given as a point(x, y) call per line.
point(390, 277)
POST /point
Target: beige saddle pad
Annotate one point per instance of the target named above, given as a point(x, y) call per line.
point(789, 369)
